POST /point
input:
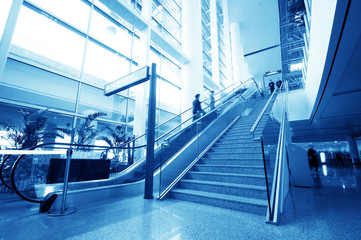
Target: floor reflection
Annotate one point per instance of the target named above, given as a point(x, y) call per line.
point(337, 176)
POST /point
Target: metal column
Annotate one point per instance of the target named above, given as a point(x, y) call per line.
point(148, 190)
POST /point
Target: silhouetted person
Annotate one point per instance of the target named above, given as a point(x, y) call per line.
point(212, 101)
point(339, 159)
point(279, 83)
point(271, 86)
point(312, 158)
point(197, 109)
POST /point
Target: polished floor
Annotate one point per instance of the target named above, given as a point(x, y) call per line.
point(331, 209)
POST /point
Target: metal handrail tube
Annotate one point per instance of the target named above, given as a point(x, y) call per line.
point(262, 113)
point(279, 171)
point(197, 119)
point(203, 115)
point(121, 147)
point(188, 110)
point(202, 102)
point(278, 176)
point(180, 176)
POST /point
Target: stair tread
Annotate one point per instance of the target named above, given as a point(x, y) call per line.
point(233, 152)
point(221, 196)
point(229, 159)
point(222, 165)
point(226, 184)
point(228, 174)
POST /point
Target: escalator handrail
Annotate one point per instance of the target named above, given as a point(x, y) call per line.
point(187, 110)
point(199, 119)
point(122, 146)
point(201, 102)
point(100, 147)
point(1, 171)
point(125, 143)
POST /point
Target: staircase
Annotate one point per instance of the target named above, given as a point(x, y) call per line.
point(231, 173)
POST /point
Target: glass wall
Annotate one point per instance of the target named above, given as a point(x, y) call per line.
point(61, 57)
point(167, 17)
point(206, 37)
point(4, 12)
point(221, 41)
point(168, 91)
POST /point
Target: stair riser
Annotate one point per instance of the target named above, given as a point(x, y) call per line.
point(238, 206)
point(237, 141)
point(233, 156)
point(230, 179)
point(236, 170)
point(243, 192)
point(244, 162)
point(243, 132)
point(237, 145)
point(247, 138)
point(245, 122)
point(236, 150)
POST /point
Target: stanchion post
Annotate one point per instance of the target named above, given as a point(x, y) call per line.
point(63, 210)
point(148, 189)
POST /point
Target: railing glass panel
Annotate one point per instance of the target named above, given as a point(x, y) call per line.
point(206, 132)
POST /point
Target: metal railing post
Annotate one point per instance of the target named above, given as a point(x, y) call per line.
point(198, 125)
point(63, 210)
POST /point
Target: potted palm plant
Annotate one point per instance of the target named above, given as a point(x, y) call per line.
point(116, 137)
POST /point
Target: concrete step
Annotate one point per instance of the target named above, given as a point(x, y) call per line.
point(231, 155)
point(232, 144)
point(229, 177)
point(240, 150)
point(237, 169)
point(237, 136)
point(236, 161)
point(234, 141)
point(244, 190)
point(238, 203)
point(240, 128)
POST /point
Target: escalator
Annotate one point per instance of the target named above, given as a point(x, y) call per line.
point(36, 175)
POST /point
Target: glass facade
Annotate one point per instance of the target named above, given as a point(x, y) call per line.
point(167, 18)
point(206, 37)
point(60, 58)
point(4, 12)
point(221, 41)
point(168, 87)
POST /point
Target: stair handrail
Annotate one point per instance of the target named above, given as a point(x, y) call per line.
point(180, 176)
point(254, 126)
point(277, 195)
point(98, 147)
point(199, 119)
point(187, 110)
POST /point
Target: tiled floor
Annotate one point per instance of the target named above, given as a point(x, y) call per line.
point(329, 210)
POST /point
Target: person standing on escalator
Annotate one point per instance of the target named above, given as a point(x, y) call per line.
point(271, 86)
point(197, 109)
point(212, 101)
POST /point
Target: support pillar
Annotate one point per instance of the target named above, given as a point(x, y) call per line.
point(192, 73)
point(237, 53)
point(141, 91)
point(148, 189)
point(214, 41)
